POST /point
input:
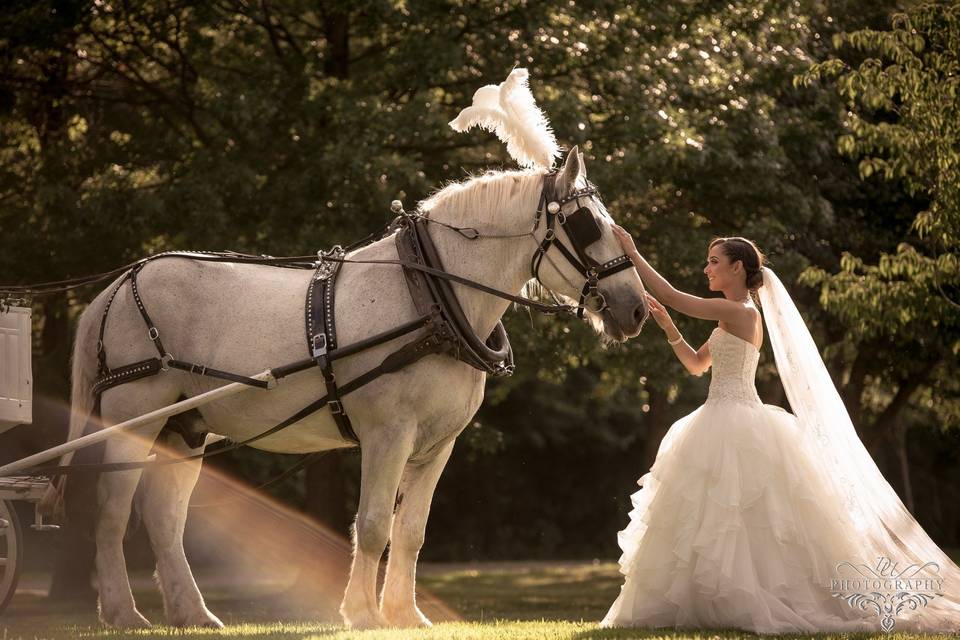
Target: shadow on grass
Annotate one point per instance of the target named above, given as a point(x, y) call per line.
point(528, 592)
point(730, 634)
point(517, 601)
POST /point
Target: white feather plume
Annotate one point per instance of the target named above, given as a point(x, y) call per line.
point(509, 110)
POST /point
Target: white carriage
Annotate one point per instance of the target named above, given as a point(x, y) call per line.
point(16, 407)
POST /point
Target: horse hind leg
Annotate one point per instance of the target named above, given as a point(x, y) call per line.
point(383, 456)
point(398, 604)
point(165, 500)
point(115, 492)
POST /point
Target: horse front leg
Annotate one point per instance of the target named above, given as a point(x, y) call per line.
point(383, 455)
point(165, 502)
point(399, 604)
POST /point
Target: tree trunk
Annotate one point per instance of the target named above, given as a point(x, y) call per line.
point(326, 502)
point(326, 499)
point(74, 553)
point(901, 449)
point(852, 393)
point(658, 425)
point(336, 61)
point(72, 568)
point(887, 428)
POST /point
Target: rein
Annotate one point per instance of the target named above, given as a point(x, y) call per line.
point(448, 331)
point(576, 224)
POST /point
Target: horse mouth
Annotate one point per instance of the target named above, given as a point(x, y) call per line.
point(611, 327)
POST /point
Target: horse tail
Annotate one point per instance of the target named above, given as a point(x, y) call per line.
point(83, 403)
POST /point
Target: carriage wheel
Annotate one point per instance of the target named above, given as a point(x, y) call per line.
point(11, 552)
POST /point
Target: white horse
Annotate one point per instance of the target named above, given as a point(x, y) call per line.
point(247, 318)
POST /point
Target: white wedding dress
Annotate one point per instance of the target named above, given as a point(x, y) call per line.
point(733, 527)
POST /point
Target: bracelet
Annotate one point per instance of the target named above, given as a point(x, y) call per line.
point(677, 341)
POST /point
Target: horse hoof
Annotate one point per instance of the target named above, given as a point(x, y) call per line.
point(205, 620)
point(364, 620)
point(210, 624)
point(128, 620)
point(408, 618)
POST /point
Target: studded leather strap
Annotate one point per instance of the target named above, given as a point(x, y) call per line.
point(322, 339)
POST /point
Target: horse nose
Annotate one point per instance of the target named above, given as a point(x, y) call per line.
point(640, 314)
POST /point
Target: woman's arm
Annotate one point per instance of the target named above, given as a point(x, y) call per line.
point(696, 362)
point(719, 309)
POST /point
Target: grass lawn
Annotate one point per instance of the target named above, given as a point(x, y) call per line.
point(494, 601)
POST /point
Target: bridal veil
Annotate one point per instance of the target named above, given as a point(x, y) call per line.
point(886, 527)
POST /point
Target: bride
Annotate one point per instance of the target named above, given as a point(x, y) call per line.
point(758, 519)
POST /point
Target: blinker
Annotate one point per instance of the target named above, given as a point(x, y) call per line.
point(583, 226)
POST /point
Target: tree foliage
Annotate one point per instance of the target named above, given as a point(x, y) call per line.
point(285, 127)
point(903, 125)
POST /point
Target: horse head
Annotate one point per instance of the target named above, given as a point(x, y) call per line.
point(595, 272)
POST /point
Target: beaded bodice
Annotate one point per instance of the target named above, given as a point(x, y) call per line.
point(733, 368)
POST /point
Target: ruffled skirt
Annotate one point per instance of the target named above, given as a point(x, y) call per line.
point(733, 529)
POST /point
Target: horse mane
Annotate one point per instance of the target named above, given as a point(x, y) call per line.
point(481, 198)
point(458, 202)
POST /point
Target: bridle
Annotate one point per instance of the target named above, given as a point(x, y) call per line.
point(582, 230)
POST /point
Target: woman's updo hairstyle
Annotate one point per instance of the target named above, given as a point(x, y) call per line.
point(745, 251)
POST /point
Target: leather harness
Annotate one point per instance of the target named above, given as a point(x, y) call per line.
point(444, 326)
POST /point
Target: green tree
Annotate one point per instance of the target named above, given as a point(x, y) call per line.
point(284, 127)
point(900, 88)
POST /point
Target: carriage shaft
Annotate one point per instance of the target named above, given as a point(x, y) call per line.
point(165, 412)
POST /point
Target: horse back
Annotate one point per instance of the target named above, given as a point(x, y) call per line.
point(245, 318)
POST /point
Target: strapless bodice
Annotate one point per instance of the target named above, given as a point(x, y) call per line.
point(733, 368)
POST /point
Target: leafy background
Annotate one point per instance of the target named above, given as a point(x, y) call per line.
point(825, 131)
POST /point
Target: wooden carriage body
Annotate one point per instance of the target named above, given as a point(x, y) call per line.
point(16, 373)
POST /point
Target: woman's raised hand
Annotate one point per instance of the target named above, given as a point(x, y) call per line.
point(660, 315)
point(626, 240)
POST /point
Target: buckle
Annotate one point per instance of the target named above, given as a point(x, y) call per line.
point(323, 257)
point(319, 345)
point(501, 369)
point(335, 406)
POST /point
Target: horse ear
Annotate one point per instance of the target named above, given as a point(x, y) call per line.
point(583, 164)
point(569, 172)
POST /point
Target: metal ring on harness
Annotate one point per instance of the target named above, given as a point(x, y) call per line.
point(165, 362)
point(591, 298)
point(154, 333)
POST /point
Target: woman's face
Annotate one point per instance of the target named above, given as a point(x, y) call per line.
point(719, 271)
